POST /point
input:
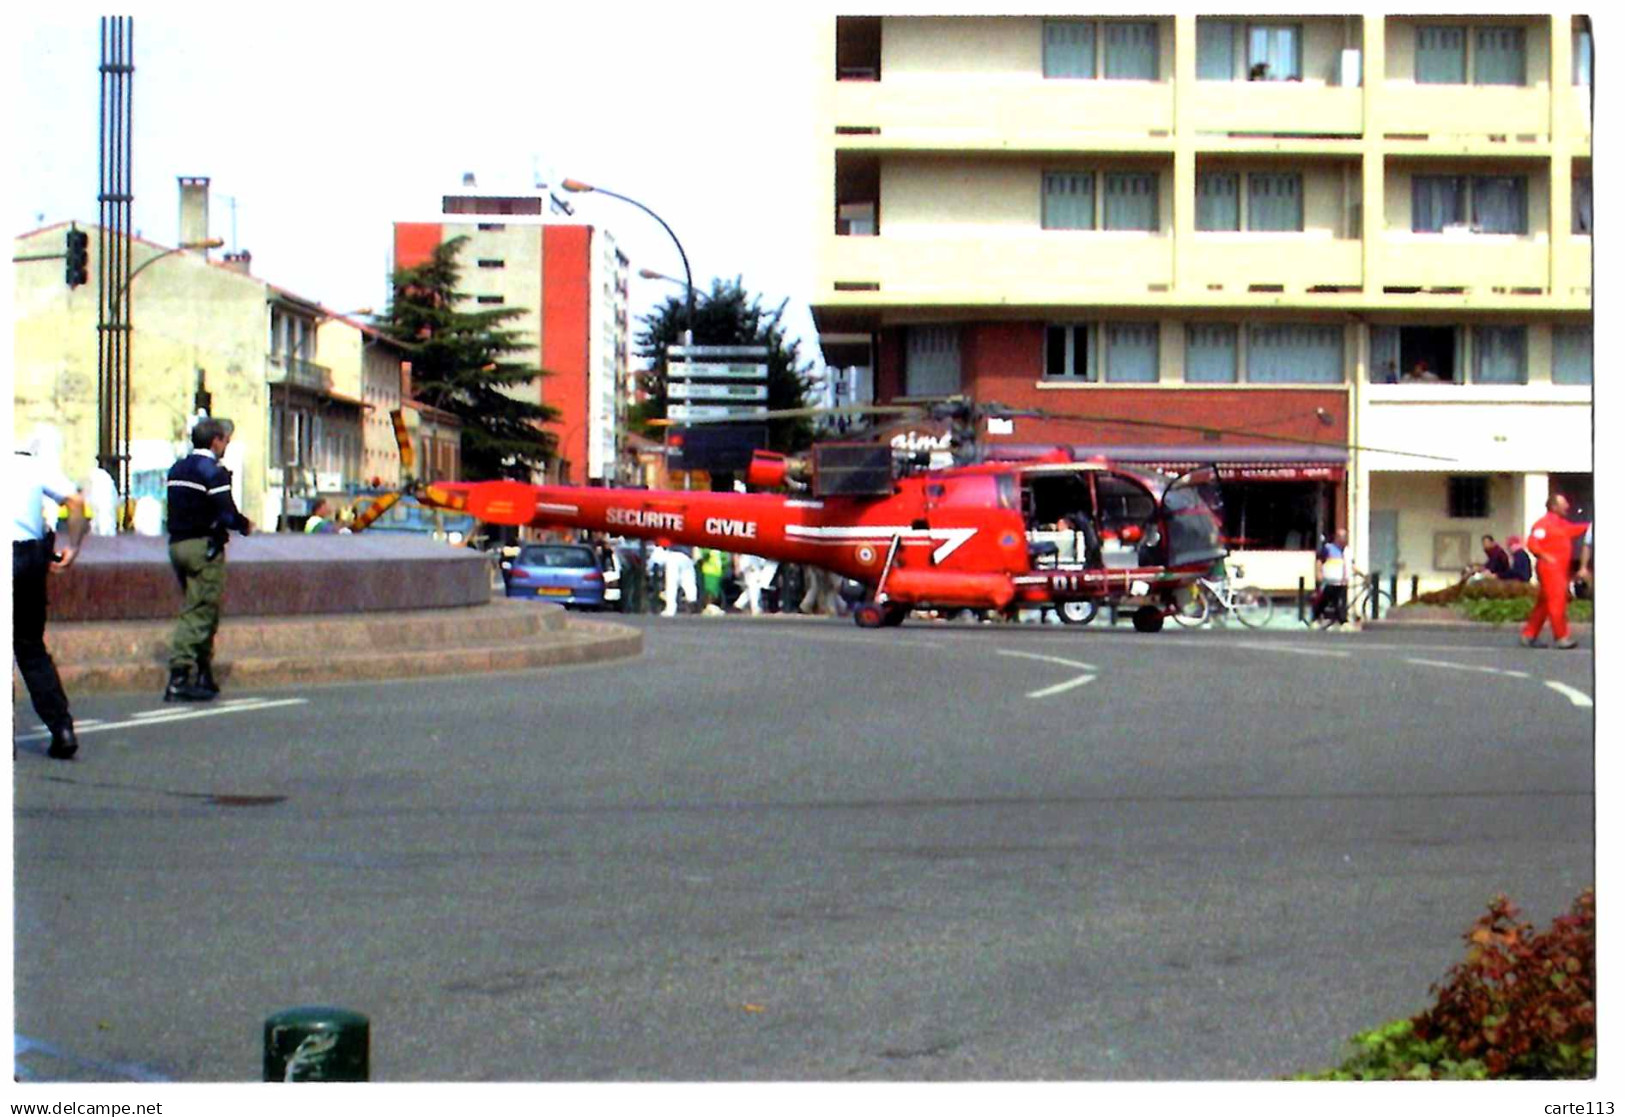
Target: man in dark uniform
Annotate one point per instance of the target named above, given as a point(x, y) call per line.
point(201, 512)
point(35, 555)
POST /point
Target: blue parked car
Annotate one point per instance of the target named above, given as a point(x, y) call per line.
point(563, 572)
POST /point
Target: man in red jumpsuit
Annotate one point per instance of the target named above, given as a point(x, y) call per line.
point(1551, 541)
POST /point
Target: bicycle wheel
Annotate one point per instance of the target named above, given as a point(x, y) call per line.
point(1252, 607)
point(1193, 606)
point(1362, 606)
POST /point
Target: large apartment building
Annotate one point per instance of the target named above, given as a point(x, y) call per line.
point(1346, 258)
point(573, 283)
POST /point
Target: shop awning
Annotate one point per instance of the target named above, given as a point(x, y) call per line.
point(1241, 462)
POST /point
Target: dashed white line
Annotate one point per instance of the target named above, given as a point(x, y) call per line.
point(1470, 667)
point(1060, 687)
point(1048, 659)
point(1578, 697)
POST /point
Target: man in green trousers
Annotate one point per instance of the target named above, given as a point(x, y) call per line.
point(201, 512)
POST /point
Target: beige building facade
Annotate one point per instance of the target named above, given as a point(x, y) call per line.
point(1234, 223)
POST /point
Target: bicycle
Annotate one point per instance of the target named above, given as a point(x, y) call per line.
point(1366, 599)
point(1207, 597)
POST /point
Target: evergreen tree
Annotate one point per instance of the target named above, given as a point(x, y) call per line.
point(461, 363)
point(727, 315)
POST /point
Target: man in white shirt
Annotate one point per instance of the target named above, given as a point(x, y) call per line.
point(34, 556)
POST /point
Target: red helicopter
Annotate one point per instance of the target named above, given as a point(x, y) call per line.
point(994, 535)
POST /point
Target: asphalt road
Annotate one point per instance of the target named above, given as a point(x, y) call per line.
point(788, 849)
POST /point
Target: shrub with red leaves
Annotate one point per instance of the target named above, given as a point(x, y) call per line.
point(1523, 1002)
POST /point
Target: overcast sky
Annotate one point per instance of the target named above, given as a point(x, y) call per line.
point(326, 125)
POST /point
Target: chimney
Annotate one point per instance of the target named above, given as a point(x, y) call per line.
point(194, 224)
point(239, 261)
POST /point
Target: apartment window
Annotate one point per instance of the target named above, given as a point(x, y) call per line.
point(1131, 51)
point(1069, 201)
point(1275, 203)
point(1218, 202)
point(1498, 355)
point(1414, 355)
point(1131, 353)
point(1582, 58)
point(1274, 52)
point(1496, 203)
point(1469, 498)
point(1127, 49)
point(1571, 355)
point(1215, 50)
point(1069, 353)
point(493, 264)
point(1069, 48)
point(1498, 56)
point(1131, 201)
point(1581, 196)
point(1500, 204)
point(1210, 353)
point(489, 300)
point(1295, 353)
point(932, 361)
point(490, 227)
point(1441, 55)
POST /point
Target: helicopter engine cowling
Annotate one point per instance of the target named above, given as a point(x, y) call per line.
point(950, 587)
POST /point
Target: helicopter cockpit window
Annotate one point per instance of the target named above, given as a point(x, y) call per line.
point(1123, 502)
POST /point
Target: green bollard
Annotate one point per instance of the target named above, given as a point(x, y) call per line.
point(317, 1044)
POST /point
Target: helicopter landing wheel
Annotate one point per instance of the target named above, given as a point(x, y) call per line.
point(1077, 612)
point(869, 615)
point(1148, 618)
point(892, 615)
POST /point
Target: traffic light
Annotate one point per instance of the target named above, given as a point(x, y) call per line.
point(78, 257)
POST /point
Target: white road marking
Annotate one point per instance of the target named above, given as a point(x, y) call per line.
point(1292, 650)
point(1578, 697)
point(831, 638)
point(1470, 667)
point(150, 717)
point(1058, 688)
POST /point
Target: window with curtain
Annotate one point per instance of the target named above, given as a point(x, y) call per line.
point(1498, 57)
point(1131, 201)
point(1437, 201)
point(1582, 58)
point(1068, 354)
point(1275, 202)
point(1131, 352)
point(1441, 55)
point(1501, 204)
point(1571, 355)
point(1210, 353)
point(1272, 52)
point(1218, 202)
point(1498, 355)
point(1581, 195)
point(1069, 200)
point(1131, 51)
point(1215, 50)
point(1069, 48)
point(1295, 353)
point(932, 361)
point(1382, 366)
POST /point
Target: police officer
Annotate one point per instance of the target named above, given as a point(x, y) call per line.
point(201, 512)
point(34, 554)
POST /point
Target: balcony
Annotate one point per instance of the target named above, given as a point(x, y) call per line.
point(1464, 112)
point(281, 368)
point(1284, 108)
point(1009, 112)
point(1474, 263)
point(1028, 268)
point(1293, 261)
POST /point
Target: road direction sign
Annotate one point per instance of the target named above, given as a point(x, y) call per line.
point(714, 370)
point(716, 350)
point(689, 413)
point(680, 389)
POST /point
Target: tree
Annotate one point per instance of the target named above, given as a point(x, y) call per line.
point(727, 315)
point(460, 363)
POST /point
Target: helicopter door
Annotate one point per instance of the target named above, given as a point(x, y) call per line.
point(1127, 515)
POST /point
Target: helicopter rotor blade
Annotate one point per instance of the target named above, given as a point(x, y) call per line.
point(371, 513)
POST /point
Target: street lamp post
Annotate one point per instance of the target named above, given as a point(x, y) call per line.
point(575, 186)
